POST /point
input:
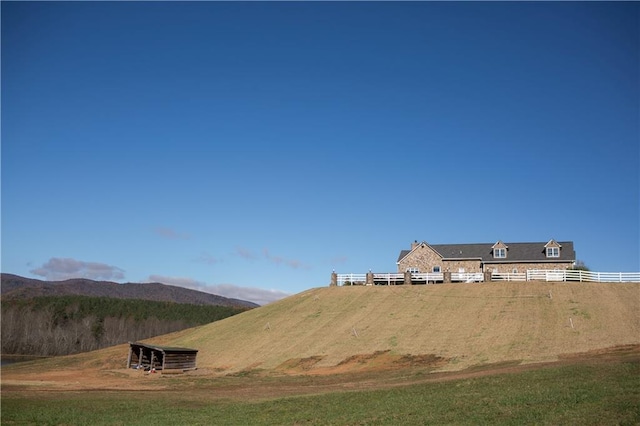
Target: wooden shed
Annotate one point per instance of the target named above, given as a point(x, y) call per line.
point(142, 355)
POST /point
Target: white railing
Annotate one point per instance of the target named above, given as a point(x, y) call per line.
point(389, 279)
point(582, 276)
point(351, 279)
point(530, 275)
point(509, 276)
point(427, 277)
point(467, 277)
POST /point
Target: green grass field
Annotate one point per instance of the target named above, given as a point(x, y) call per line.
point(581, 394)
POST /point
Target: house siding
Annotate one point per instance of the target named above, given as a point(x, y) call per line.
point(422, 257)
point(523, 267)
point(467, 265)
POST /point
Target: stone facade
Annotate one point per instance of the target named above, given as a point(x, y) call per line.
point(422, 257)
point(505, 268)
point(473, 265)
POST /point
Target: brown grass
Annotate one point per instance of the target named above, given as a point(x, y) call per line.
point(440, 328)
point(467, 324)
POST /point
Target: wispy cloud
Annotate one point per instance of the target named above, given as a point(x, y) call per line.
point(171, 234)
point(260, 296)
point(278, 260)
point(208, 259)
point(57, 269)
point(246, 253)
point(272, 258)
point(251, 294)
point(338, 260)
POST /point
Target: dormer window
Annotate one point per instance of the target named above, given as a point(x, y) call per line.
point(552, 249)
point(500, 253)
point(499, 250)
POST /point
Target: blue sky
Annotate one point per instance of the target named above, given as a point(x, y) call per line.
point(250, 148)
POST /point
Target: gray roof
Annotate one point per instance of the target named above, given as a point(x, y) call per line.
point(516, 252)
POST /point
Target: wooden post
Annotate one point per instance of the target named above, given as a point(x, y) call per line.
point(446, 275)
point(334, 279)
point(487, 276)
point(129, 357)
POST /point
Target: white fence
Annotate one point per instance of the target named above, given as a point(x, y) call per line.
point(352, 279)
point(427, 277)
point(468, 277)
point(583, 276)
point(509, 276)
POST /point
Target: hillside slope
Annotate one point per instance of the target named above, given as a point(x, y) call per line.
point(459, 324)
point(17, 287)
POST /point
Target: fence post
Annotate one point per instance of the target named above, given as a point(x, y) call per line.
point(334, 279)
point(369, 280)
point(446, 277)
point(487, 276)
point(407, 278)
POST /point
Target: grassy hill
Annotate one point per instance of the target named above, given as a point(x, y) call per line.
point(450, 327)
point(445, 327)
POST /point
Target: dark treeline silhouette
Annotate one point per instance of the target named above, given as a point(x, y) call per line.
point(49, 325)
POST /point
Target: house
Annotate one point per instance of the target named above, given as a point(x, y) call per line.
point(498, 257)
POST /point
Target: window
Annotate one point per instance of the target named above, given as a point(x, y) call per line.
point(413, 270)
point(436, 269)
point(500, 253)
point(553, 251)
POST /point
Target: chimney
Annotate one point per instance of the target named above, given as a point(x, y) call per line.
point(414, 244)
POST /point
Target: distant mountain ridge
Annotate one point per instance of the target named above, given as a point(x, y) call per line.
point(17, 287)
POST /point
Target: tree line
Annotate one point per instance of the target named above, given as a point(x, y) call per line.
point(62, 325)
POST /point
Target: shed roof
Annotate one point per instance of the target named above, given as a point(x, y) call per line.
point(165, 349)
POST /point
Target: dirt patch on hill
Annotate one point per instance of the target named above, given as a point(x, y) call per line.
point(298, 365)
point(376, 361)
point(385, 360)
point(615, 353)
point(86, 379)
